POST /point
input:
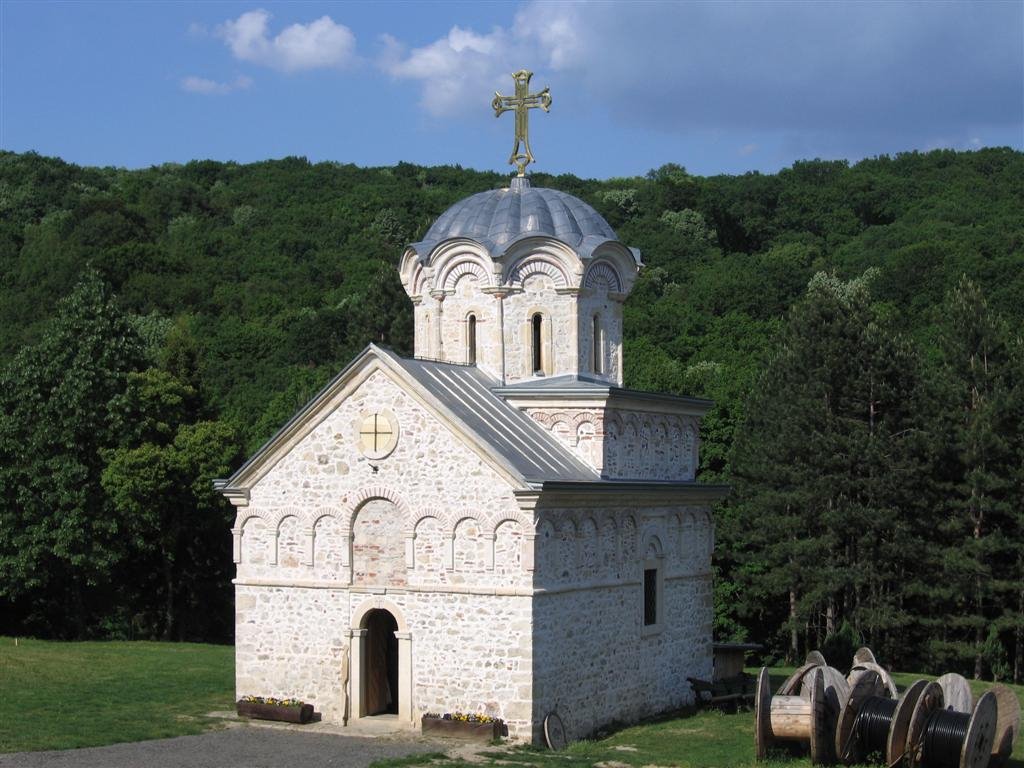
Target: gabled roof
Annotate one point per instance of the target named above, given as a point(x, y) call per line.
point(460, 394)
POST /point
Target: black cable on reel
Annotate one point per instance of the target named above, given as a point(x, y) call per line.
point(872, 725)
point(944, 736)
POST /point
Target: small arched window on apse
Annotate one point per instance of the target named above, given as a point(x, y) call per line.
point(537, 346)
point(597, 352)
point(471, 339)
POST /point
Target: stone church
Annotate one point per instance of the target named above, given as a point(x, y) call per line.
point(494, 525)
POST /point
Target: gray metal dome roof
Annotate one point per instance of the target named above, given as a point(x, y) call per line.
point(499, 217)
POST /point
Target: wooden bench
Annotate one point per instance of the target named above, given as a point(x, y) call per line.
point(732, 691)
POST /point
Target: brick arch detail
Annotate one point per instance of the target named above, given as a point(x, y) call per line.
point(525, 524)
point(359, 498)
point(413, 521)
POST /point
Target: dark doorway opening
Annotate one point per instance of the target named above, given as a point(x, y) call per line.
point(381, 663)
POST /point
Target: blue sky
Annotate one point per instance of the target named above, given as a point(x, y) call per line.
point(719, 87)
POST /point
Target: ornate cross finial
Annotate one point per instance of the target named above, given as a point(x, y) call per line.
point(521, 103)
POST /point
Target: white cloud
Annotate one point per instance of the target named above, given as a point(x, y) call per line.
point(822, 68)
point(321, 43)
point(202, 85)
point(747, 149)
point(197, 30)
point(457, 66)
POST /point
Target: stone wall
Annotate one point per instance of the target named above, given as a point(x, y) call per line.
point(626, 444)
point(595, 662)
point(596, 302)
point(435, 530)
point(539, 294)
point(289, 642)
point(470, 652)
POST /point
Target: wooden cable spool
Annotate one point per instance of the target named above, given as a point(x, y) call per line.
point(847, 748)
point(1007, 725)
point(850, 746)
point(929, 701)
point(969, 748)
point(863, 656)
point(885, 679)
point(956, 693)
point(794, 719)
point(900, 728)
point(816, 658)
point(836, 687)
point(793, 683)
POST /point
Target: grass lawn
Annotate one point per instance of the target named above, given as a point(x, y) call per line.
point(63, 695)
point(708, 739)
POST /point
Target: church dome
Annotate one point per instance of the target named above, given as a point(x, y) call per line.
point(499, 217)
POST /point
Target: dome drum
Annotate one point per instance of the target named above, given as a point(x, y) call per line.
point(521, 282)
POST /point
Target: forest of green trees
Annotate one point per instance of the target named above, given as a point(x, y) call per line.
point(858, 326)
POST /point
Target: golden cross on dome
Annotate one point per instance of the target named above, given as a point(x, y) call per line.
point(521, 103)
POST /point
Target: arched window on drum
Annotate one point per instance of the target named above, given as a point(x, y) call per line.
point(471, 339)
point(537, 344)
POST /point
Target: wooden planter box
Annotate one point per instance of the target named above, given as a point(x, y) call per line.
point(459, 729)
point(301, 714)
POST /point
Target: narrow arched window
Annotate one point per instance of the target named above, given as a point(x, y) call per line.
point(538, 352)
point(597, 353)
point(471, 340)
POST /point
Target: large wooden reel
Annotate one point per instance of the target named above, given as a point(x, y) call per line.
point(863, 656)
point(885, 679)
point(847, 748)
point(793, 683)
point(956, 693)
point(929, 701)
point(897, 743)
point(788, 718)
point(977, 745)
point(981, 733)
point(1007, 726)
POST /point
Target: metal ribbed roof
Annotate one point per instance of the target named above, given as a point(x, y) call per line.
point(499, 217)
point(506, 430)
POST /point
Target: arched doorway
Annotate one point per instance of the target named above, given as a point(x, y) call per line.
point(381, 647)
point(381, 661)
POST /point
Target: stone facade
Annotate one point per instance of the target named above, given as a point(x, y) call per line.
point(588, 612)
point(432, 528)
point(565, 582)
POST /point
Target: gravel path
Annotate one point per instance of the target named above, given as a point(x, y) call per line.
point(240, 747)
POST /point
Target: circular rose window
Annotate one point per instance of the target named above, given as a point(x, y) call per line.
point(378, 434)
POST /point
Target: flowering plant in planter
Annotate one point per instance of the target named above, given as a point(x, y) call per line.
point(464, 725)
point(270, 708)
point(272, 700)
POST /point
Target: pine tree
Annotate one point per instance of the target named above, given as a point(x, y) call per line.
point(825, 464)
point(978, 547)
